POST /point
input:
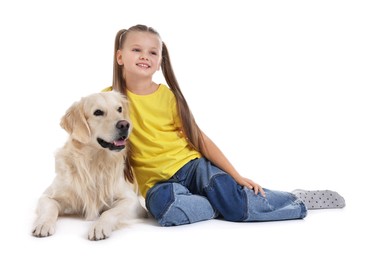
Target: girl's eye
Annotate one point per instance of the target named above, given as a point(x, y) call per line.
point(153, 53)
point(98, 112)
point(119, 109)
point(136, 50)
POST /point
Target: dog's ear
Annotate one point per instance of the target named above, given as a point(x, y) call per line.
point(75, 123)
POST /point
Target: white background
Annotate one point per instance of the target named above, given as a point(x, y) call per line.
point(285, 88)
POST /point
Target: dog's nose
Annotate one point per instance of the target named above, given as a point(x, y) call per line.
point(123, 125)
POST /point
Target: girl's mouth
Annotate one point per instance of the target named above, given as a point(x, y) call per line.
point(143, 65)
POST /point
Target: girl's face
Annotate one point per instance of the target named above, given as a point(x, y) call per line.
point(141, 54)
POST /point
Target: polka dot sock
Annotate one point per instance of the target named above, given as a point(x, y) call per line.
point(320, 199)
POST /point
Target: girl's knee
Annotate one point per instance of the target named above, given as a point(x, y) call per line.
point(159, 198)
point(172, 204)
point(227, 197)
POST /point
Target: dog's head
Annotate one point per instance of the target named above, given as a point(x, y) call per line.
point(100, 119)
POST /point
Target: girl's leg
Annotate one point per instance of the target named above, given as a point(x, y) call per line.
point(172, 204)
point(276, 205)
point(236, 203)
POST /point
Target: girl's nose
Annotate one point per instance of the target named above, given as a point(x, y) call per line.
point(143, 56)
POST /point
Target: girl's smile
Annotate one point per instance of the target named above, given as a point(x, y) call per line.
point(143, 65)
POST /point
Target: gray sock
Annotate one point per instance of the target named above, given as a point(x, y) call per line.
point(320, 199)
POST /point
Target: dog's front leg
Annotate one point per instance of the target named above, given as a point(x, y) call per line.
point(47, 214)
point(122, 211)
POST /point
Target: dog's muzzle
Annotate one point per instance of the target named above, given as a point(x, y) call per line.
point(118, 144)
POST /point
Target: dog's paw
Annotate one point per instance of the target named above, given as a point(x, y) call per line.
point(43, 229)
point(100, 231)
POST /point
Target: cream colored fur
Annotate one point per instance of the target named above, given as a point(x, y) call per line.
point(90, 179)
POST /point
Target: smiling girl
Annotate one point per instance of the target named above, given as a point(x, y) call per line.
point(182, 174)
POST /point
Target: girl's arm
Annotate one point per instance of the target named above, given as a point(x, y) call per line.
point(214, 154)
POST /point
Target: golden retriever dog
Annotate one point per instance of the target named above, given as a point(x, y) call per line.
point(91, 172)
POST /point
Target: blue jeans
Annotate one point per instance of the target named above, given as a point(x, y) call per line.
point(201, 191)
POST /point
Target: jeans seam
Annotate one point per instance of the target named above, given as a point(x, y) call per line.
point(161, 219)
point(246, 206)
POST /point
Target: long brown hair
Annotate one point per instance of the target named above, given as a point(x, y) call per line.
point(189, 125)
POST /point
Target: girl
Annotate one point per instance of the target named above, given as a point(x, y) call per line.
point(182, 174)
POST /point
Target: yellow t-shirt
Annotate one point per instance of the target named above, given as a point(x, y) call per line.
point(158, 147)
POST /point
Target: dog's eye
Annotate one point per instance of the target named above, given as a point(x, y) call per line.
point(119, 109)
point(98, 112)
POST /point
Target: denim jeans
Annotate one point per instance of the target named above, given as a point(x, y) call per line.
point(201, 191)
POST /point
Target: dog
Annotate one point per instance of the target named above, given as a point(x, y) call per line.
point(90, 168)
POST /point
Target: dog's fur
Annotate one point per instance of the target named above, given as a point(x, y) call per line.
point(90, 168)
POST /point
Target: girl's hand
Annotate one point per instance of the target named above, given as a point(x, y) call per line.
point(251, 185)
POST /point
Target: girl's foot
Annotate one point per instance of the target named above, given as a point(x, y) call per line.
point(320, 199)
